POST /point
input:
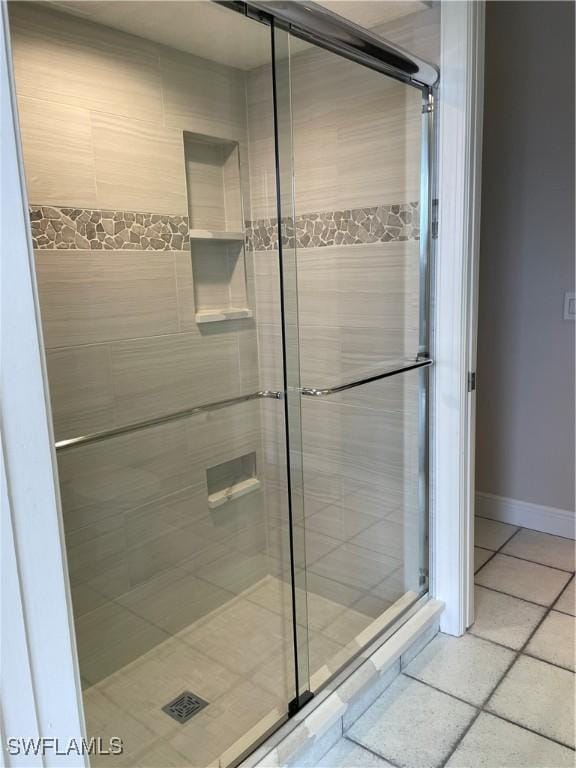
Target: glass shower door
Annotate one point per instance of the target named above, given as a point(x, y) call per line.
point(150, 157)
point(232, 283)
point(353, 156)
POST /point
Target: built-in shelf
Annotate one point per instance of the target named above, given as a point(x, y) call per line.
point(231, 480)
point(235, 491)
point(213, 183)
point(227, 313)
point(211, 234)
point(217, 238)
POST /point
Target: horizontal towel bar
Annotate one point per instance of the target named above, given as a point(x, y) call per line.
point(392, 369)
point(97, 436)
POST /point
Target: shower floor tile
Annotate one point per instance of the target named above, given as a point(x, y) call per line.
point(355, 566)
point(241, 635)
point(213, 730)
point(347, 626)
point(107, 720)
point(276, 596)
point(238, 658)
point(339, 522)
point(145, 686)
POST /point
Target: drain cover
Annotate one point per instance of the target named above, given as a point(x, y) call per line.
point(185, 706)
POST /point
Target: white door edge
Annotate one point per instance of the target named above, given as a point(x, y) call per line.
point(50, 703)
point(455, 309)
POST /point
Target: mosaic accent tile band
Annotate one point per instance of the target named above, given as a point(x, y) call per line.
point(88, 229)
point(92, 229)
point(355, 226)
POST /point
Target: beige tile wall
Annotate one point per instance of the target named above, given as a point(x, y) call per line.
point(122, 345)
point(103, 112)
point(59, 162)
point(355, 136)
point(357, 306)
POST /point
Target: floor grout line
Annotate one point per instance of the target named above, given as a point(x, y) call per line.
point(497, 551)
point(516, 557)
point(521, 652)
point(530, 730)
point(495, 642)
point(461, 738)
point(440, 690)
point(509, 594)
point(527, 560)
point(523, 528)
point(564, 588)
point(371, 751)
point(551, 663)
point(483, 709)
point(517, 654)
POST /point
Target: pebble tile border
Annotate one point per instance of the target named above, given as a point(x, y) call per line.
point(92, 229)
point(355, 226)
point(87, 229)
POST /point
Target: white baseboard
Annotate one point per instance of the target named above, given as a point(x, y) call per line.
point(560, 522)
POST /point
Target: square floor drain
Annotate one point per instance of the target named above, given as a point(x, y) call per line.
point(185, 706)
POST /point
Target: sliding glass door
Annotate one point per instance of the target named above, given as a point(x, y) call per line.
point(353, 153)
point(230, 227)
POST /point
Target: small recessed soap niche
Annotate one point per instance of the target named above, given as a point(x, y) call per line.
point(217, 237)
point(231, 480)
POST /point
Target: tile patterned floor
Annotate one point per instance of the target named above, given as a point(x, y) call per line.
point(238, 658)
point(501, 696)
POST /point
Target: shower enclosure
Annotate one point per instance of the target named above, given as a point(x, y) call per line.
point(229, 208)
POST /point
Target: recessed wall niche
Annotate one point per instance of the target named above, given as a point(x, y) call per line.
point(231, 480)
point(219, 276)
point(217, 238)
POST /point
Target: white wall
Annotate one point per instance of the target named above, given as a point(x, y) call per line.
point(525, 432)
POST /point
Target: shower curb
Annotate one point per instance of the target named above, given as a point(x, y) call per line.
point(303, 741)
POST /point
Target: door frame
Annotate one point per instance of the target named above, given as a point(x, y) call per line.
point(461, 98)
point(42, 694)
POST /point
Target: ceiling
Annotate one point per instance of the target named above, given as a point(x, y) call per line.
point(210, 31)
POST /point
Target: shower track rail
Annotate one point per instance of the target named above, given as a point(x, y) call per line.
point(391, 369)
